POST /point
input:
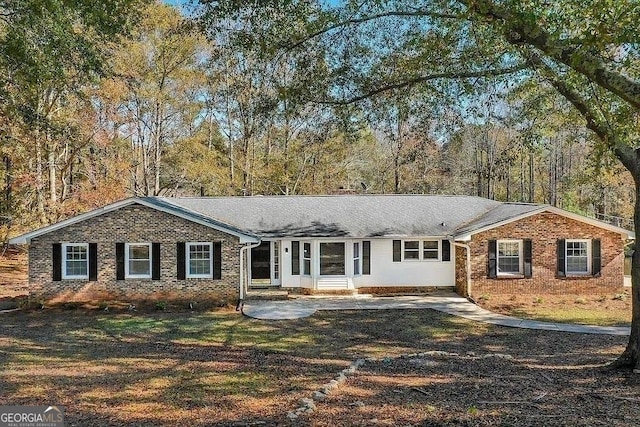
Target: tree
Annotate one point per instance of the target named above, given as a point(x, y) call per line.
point(588, 54)
point(160, 72)
point(50, 51)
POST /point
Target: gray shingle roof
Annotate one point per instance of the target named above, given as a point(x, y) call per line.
point(502, 212)
point(350, 215)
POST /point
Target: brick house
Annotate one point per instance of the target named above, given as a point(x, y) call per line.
point(214, 249)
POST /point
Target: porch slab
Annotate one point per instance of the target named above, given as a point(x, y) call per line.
point(446, 302)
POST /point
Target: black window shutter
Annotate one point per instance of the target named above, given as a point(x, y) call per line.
point(492, 266)
point(180, 263)
point(560, 251)
point(397, 250)
point(527, 252)
point(366, 257)
point(217, 260)
point(119, 261)
point(446, 250)
point(596, 258)
point(295, 258)
point(93, 262)
point(155, 261)
point(57, 262)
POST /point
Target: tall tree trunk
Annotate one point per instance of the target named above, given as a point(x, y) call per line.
point(532, 182)
point(39, 179)
point(631, 355)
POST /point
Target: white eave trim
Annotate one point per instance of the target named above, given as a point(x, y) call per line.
point(26, 238)
point(627, 234)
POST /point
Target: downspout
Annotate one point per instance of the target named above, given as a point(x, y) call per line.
point(468, 258)
point(243, 274)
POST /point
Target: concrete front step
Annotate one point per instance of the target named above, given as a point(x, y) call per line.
point(266, 295)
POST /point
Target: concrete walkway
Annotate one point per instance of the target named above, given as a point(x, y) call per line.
point(448, 302)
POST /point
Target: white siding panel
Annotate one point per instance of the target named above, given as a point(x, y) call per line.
point(385, 272)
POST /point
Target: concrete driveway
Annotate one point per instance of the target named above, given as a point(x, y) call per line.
point(446, 302)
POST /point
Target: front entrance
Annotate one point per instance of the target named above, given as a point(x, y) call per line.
point(261, 264)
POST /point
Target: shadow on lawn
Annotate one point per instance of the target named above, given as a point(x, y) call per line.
point(207, 368)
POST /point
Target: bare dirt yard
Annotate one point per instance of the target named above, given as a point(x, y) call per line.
point(222, 369)
point(177, 367)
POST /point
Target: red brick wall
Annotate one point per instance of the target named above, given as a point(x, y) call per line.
point(544, 230)
point(134, 223)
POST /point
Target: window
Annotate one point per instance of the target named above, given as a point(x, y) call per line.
point(276, 260)
point(356, 258)
point(509, 257)
point(306, 258)
point(577, 256)
point(430, 249)
point(295, 258)
point(138, 260)
point(75, 261)
point(199, 260)
point(426, 250)
point(412, 250)
point(332, 259)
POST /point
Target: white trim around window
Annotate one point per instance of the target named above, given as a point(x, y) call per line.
point(75, 261)
point(509, 258)
point(421, 250)
point(577, 254)
point(199, 257)
point(138, 260)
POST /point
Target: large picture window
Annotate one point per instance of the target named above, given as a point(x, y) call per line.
point(332, 259)
point(577, 257)
point(509, 257)
point(75, 261)
point(199, 260)
point(138, 260)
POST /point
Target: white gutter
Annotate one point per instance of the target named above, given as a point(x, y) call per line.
point(243, 273)
point(468, 249)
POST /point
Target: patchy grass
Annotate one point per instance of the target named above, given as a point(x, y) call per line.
point(604, 310)
point(219, 368)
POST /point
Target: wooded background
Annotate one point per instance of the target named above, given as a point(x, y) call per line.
point(141, 98)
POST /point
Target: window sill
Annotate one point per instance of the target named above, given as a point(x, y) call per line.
point(578, 276)
point(510, 276)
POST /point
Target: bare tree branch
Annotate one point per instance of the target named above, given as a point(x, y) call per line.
point(418, 13)
point(426, 78)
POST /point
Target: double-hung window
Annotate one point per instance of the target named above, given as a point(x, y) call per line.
point(75, 261)
point(199, 260)
point(430, 250)
point(138, 260)
point(412, 250)
point(421, 250)
point(577, 257)
point(509, 256)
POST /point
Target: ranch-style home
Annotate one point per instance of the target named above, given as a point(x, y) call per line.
point(217, 248)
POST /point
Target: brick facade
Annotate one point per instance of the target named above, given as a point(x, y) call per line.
point(135, 223)
point(544, 230)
